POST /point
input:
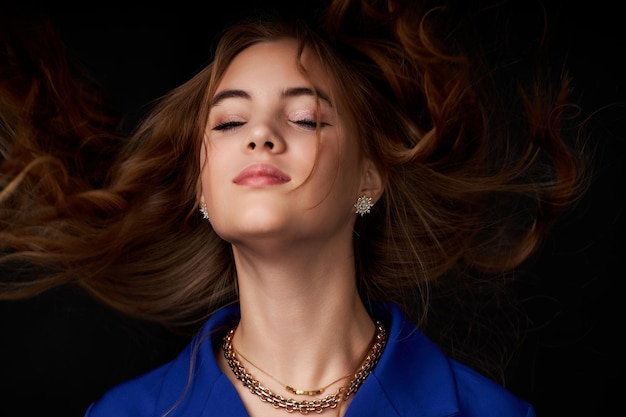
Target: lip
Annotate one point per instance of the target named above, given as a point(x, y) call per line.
point(261, 175)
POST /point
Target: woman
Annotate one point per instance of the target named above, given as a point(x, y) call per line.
point(342, 177)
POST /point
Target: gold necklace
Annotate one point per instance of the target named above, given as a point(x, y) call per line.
point(287, 387)
point(305, 406)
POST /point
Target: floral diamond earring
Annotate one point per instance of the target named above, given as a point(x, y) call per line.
point(363, 205)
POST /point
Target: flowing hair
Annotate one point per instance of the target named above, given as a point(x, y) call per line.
point(476, 169)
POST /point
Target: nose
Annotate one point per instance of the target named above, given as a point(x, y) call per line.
point(264, 137)
point(268, 144)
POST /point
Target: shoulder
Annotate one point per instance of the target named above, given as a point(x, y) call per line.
point(162, 389)
point(480, 396)
point(186, 383)
point(417, 378)
point(137, 397)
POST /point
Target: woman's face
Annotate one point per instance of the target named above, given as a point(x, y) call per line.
point(261, 178)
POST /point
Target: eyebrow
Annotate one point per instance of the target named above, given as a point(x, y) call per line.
point(222, 95)
point(306, 91)
point(290, 92)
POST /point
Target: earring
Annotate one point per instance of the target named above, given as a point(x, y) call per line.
point(363, 205)
point(205, 213)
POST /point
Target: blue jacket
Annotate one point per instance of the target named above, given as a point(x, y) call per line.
point(413, 378)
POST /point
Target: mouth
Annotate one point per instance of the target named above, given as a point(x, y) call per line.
point(259, 175)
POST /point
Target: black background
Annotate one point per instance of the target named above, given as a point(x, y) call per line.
point(60, 351)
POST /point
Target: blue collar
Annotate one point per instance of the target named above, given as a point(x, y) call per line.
point(412, 378)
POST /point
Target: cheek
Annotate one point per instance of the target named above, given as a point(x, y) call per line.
point(209, 167)
point(209, 177)
point(341, 163)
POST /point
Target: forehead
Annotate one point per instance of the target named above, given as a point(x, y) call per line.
point(271, 63)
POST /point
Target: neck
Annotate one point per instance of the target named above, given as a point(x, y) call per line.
point(302, 320)
point(331, 401)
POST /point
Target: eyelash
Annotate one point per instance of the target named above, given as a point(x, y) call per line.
point(227, 125)
point(307, 124)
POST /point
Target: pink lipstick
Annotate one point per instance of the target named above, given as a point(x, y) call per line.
point(259, 175)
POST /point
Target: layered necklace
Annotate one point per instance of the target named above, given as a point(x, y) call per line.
point(317, 405)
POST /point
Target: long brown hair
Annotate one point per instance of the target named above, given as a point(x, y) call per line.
point(476, 172)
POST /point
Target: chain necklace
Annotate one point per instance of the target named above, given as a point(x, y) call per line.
point(288, 388)
point(305, 406)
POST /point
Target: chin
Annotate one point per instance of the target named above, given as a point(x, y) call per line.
point(252, 227)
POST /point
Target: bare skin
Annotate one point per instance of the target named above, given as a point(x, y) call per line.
point(290, 225)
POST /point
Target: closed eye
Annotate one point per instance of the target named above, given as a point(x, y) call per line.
point(228, 125)
point(309, 124)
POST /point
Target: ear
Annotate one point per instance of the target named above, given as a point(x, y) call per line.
point(372, 181)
